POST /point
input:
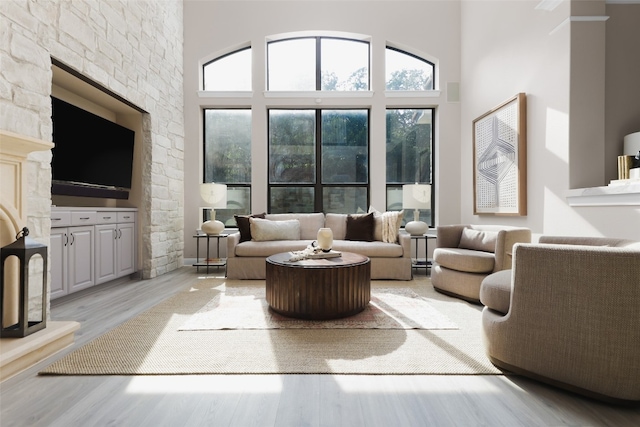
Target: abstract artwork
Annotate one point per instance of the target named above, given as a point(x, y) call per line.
point(500, 159)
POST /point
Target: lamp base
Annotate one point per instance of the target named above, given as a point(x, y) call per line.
point(212, 227)
point(416, 228)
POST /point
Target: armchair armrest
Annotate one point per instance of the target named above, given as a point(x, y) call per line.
point(507, 238)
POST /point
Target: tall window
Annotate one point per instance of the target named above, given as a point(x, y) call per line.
point(409, 154)
point(227, 158)
point(318, 160)
point(318, 63)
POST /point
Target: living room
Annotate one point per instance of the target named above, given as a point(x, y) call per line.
point(575, 61)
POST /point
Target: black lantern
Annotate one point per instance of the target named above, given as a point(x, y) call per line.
point(23, 248)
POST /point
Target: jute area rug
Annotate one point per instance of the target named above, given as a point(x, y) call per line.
point(170, 339)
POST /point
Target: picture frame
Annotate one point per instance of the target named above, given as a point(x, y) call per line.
point(500, 159)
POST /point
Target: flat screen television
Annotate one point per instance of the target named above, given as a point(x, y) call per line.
point(92, 156)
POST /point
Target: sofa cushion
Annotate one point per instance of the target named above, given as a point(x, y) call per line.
point(360, 227)
point(310, 223)
point(267, 230)
point(478, 240)
point(466, 260)
point(375, 249)
point(495, 291)
point(242, 221)
point(268, 248)
point(338, 224)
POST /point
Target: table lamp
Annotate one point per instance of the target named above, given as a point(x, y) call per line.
point(213, 196)
point(416, 196)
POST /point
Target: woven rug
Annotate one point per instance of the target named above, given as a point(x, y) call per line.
point(245, 307)
point(152, 344)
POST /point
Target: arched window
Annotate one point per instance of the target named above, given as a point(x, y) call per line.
point(318, 63)
point(230, 72)
point(405, 71)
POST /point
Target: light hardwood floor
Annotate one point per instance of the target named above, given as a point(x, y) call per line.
point(272, 400)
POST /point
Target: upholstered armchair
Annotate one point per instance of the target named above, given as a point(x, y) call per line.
point(568, 314)
point(466, 254)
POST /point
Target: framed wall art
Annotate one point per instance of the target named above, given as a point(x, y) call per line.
point(500, 159)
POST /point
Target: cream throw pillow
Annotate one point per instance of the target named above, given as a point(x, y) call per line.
point(263, 230)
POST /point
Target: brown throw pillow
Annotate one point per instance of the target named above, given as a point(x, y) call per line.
point(242, 221)
point(360, 227)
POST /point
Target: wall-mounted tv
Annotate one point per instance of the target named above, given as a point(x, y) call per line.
point(92, 156)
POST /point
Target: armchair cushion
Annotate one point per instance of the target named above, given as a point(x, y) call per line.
point(478, 240)
point(495, 291)
point(466, 260)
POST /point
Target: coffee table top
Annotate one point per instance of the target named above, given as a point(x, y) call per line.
point(347, 259)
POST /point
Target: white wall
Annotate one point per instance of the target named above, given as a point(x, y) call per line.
point(428, 28)
point(511, 47)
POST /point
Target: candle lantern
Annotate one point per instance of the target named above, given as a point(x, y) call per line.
point(23, 249)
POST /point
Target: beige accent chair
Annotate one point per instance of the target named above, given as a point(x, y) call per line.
point(568, 314)
point(465, 254)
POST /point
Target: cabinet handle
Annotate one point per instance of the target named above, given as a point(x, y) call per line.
point(119, 233)
point(106, 217)
point(126, 217)
point(85, 218)
point(73, 239)
point(56, 219)
point(115, 234)
point(66, 239)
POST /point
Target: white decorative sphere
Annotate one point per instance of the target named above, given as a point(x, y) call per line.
point(212, 227)
point(416, 228)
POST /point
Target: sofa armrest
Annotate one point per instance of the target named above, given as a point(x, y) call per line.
point(404, 240)
point(448, 236)
point(232, 241)
point(504, 246)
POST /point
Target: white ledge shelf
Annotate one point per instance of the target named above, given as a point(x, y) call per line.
point(619, 194)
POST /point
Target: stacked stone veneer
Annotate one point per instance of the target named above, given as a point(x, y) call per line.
point(133, 48)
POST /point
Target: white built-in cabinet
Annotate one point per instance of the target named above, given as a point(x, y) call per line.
point(89, 247)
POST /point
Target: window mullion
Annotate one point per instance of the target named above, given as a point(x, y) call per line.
point(318, 179)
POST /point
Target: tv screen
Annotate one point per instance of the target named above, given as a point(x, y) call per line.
point(90, 150)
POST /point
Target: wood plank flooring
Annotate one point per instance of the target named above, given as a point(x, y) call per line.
point(272, 400)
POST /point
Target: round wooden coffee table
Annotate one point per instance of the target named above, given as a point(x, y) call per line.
point(318, 289)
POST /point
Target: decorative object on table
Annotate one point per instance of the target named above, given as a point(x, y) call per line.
point(624, 166)
point(500, 159)
point(313, 251)
point(416, 196)
point(29, 319)
point(325, 239)
point(213, 196)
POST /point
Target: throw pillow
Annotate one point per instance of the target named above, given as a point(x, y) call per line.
point(478, 240)
point(360, 227)
point(242, 221)
point(263, 230)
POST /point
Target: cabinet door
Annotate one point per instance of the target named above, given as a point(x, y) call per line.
point(58, 259)
point(126, 249)
point(106, 238)
point(81, 256)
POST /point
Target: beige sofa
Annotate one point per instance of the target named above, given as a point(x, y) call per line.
point(465, 254)
point(568, 314)
point(246, 260)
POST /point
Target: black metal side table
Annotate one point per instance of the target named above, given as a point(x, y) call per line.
point(426, 262)
point(208, 261)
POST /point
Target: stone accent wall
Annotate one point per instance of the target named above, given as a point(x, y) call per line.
point(134, 48)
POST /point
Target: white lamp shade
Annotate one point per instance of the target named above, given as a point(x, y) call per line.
point(632, 144)
point(213, 195)
point(416, 196)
